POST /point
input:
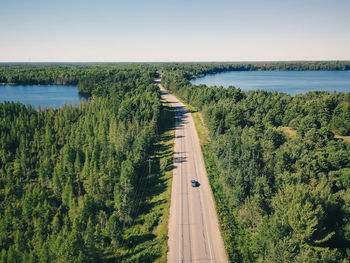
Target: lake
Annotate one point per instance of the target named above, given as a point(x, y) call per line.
point(44, 96)
point(291, 82)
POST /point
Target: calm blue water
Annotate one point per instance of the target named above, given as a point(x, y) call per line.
point(291, 82)
point(46, 96)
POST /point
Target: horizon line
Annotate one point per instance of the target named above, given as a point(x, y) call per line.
point(172, 61)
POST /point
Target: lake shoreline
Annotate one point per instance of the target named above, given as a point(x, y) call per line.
point(193, 77)
point(291, 82)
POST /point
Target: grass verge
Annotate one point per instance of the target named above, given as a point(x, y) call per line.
point(146, 240)
point(167, 165)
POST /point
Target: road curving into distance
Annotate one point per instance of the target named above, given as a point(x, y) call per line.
point(193, 229)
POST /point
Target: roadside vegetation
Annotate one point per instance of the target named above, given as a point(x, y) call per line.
point(74, 182)
point(279, 175)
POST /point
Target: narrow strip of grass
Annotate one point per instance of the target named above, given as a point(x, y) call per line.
point(167, 166)
point(146, 240)
point(202, 130)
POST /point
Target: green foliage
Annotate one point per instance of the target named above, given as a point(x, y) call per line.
point(341, 118)
point(71, 178)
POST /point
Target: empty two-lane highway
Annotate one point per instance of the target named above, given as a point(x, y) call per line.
point(194, 234)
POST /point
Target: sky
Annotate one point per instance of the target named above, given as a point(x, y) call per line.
point(173, 30)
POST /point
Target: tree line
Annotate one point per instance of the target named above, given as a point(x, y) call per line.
point(280, 197)
point(192, 69)
point(82, 73)
point(61, 74)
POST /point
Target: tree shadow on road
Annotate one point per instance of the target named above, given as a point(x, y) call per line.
point(148, 235)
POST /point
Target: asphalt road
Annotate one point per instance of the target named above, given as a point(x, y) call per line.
point(193, 231)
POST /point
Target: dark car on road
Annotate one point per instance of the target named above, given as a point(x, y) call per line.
point(194, 183)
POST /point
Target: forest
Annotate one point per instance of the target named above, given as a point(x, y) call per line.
point(279, 171)
point(74, 182)
point(75, 187)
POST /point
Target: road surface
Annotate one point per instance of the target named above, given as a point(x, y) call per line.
point(193, 230)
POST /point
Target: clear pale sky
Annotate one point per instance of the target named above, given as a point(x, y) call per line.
point(173, 30)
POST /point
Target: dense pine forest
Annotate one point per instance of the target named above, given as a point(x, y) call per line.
point(278, 167)
point(74, 182)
